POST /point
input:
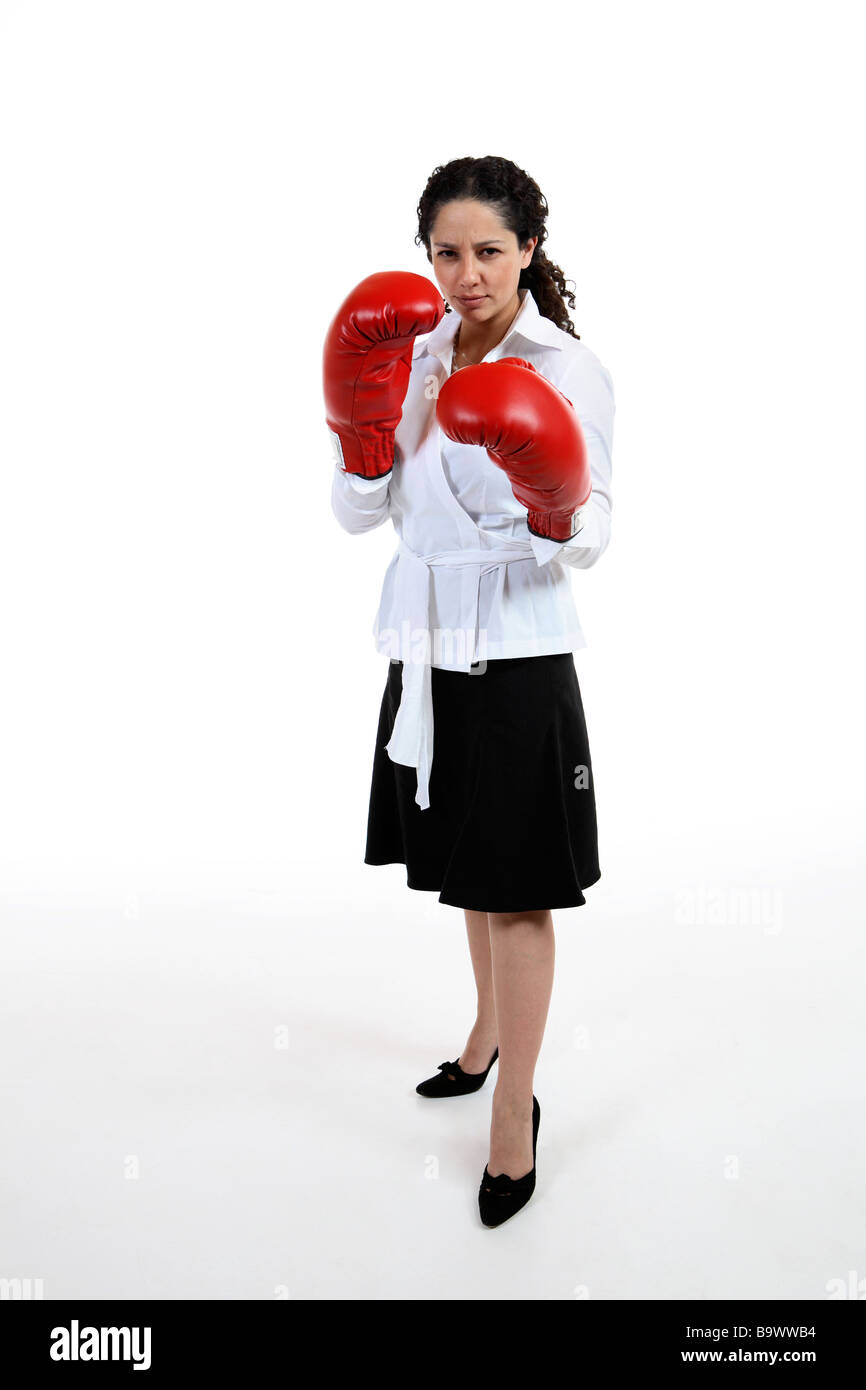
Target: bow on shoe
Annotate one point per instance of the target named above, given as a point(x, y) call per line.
point(450, 1066)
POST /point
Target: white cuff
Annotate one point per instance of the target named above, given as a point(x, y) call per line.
point(361, 484)
point(546, 550)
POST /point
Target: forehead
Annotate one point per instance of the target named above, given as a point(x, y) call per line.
point(468, 220)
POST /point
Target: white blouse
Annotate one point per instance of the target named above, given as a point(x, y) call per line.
point(468, 582)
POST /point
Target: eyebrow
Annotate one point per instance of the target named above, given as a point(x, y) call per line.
point(490, 241)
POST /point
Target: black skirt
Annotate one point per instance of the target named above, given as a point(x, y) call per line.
point(511, 825)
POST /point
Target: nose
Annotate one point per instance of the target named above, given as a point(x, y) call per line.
point(469, 278)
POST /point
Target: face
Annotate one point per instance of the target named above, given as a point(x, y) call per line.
point(476, 259)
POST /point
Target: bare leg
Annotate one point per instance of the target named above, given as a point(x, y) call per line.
point(522, 952)
point(482, 1040)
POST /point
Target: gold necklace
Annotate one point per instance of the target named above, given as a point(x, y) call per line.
point(458, 352)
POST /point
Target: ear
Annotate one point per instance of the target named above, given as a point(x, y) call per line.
point(529, 251)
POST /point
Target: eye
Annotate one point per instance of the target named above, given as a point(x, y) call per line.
point(494, 251)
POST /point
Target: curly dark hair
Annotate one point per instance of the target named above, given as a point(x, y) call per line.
point(520, 203)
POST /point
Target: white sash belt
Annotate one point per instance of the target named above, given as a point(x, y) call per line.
point(411, 742)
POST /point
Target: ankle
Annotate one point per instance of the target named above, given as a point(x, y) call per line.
point(507, 1101)
point(485, 1027)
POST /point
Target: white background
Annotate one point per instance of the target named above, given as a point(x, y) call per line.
point(190, 689)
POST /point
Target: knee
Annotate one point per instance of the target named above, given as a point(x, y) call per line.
point(538, 918)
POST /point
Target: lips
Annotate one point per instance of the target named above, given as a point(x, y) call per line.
point(472, 298)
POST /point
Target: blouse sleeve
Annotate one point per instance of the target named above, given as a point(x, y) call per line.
point(360, 504)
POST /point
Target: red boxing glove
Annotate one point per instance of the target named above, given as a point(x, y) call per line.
point(367, 362)
point(531, 430)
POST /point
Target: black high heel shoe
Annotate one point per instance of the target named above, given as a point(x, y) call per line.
point(502, 1196)
point(453, 1081)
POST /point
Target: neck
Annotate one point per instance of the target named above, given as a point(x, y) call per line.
point(480, 338)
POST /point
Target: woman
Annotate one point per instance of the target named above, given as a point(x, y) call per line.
point(501, 821)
